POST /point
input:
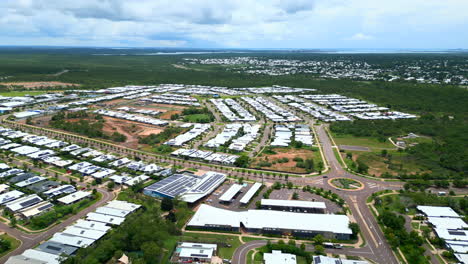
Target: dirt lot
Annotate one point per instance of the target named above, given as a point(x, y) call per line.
point(33, 85)
point(132, 130)
point(289, 166)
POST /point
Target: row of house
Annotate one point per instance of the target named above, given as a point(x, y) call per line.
point(449, 226)
point(317, 111)
point(225, 106)
point(131, 117)
point(180, 140)
point(208, 156)
point(272, 111)
point(81, 234)
point(173, 99)
point(27, 206)
point(355, 107)
point(86, 168)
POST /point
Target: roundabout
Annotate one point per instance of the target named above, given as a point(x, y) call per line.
point(346, 184)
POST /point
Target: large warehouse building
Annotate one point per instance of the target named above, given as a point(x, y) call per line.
point(272, 222)
point(188, 187)
point(294, 206)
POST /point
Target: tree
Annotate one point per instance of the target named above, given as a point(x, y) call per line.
point(151, 252)
point(242, 161)
point(295, 196)
point(319, 250)
point(362, 167)
point(258, 204)
point(384, 153)
point(110, 185)
point(4, 245)
point(167, 204)
point(355, 229)
point(318, 239)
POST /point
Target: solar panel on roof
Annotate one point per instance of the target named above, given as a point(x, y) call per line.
point(456, 233)
point(30, 202)
point(53, 248)
point(47, 206)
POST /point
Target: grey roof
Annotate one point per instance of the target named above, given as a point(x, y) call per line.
point(22, 177)
point(23, 260)
point(40, 187)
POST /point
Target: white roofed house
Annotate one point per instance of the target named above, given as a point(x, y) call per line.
point(277, 257)
point(194, 252)
point(22, 203)
point(74, 197)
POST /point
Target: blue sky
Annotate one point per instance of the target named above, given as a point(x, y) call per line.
point(311, 24)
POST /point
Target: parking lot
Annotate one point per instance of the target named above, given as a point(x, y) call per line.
point(282, 194)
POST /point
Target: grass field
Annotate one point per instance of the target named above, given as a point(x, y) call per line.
point(23, 93)
point(370, 142)
point(398, 163)
point(14, 243)
point(195, 118)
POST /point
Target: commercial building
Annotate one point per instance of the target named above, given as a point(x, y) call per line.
point(294, 206)
point(250, 193)
point(272, 222)
point(188, 187)
point(230, 193)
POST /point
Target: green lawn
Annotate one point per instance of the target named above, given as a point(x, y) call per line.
point(23, 93)
point(196, 118)
point(370, 142)
point(14, 243)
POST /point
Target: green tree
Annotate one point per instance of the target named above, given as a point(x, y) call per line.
point(167, 204)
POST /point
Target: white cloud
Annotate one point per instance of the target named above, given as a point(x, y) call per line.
point(235, 23)
point(360, 36)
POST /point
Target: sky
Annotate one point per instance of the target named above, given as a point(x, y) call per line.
point(275, 24)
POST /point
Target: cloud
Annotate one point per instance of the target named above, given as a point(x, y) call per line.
point(360, 36)
point(234, 23)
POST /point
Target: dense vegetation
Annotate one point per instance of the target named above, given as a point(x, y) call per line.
point(409, 243)
point(105, 71)
point(198, 115)
point(165, 135)
point(60, 212)
point(93, 129)
point(447, 154)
